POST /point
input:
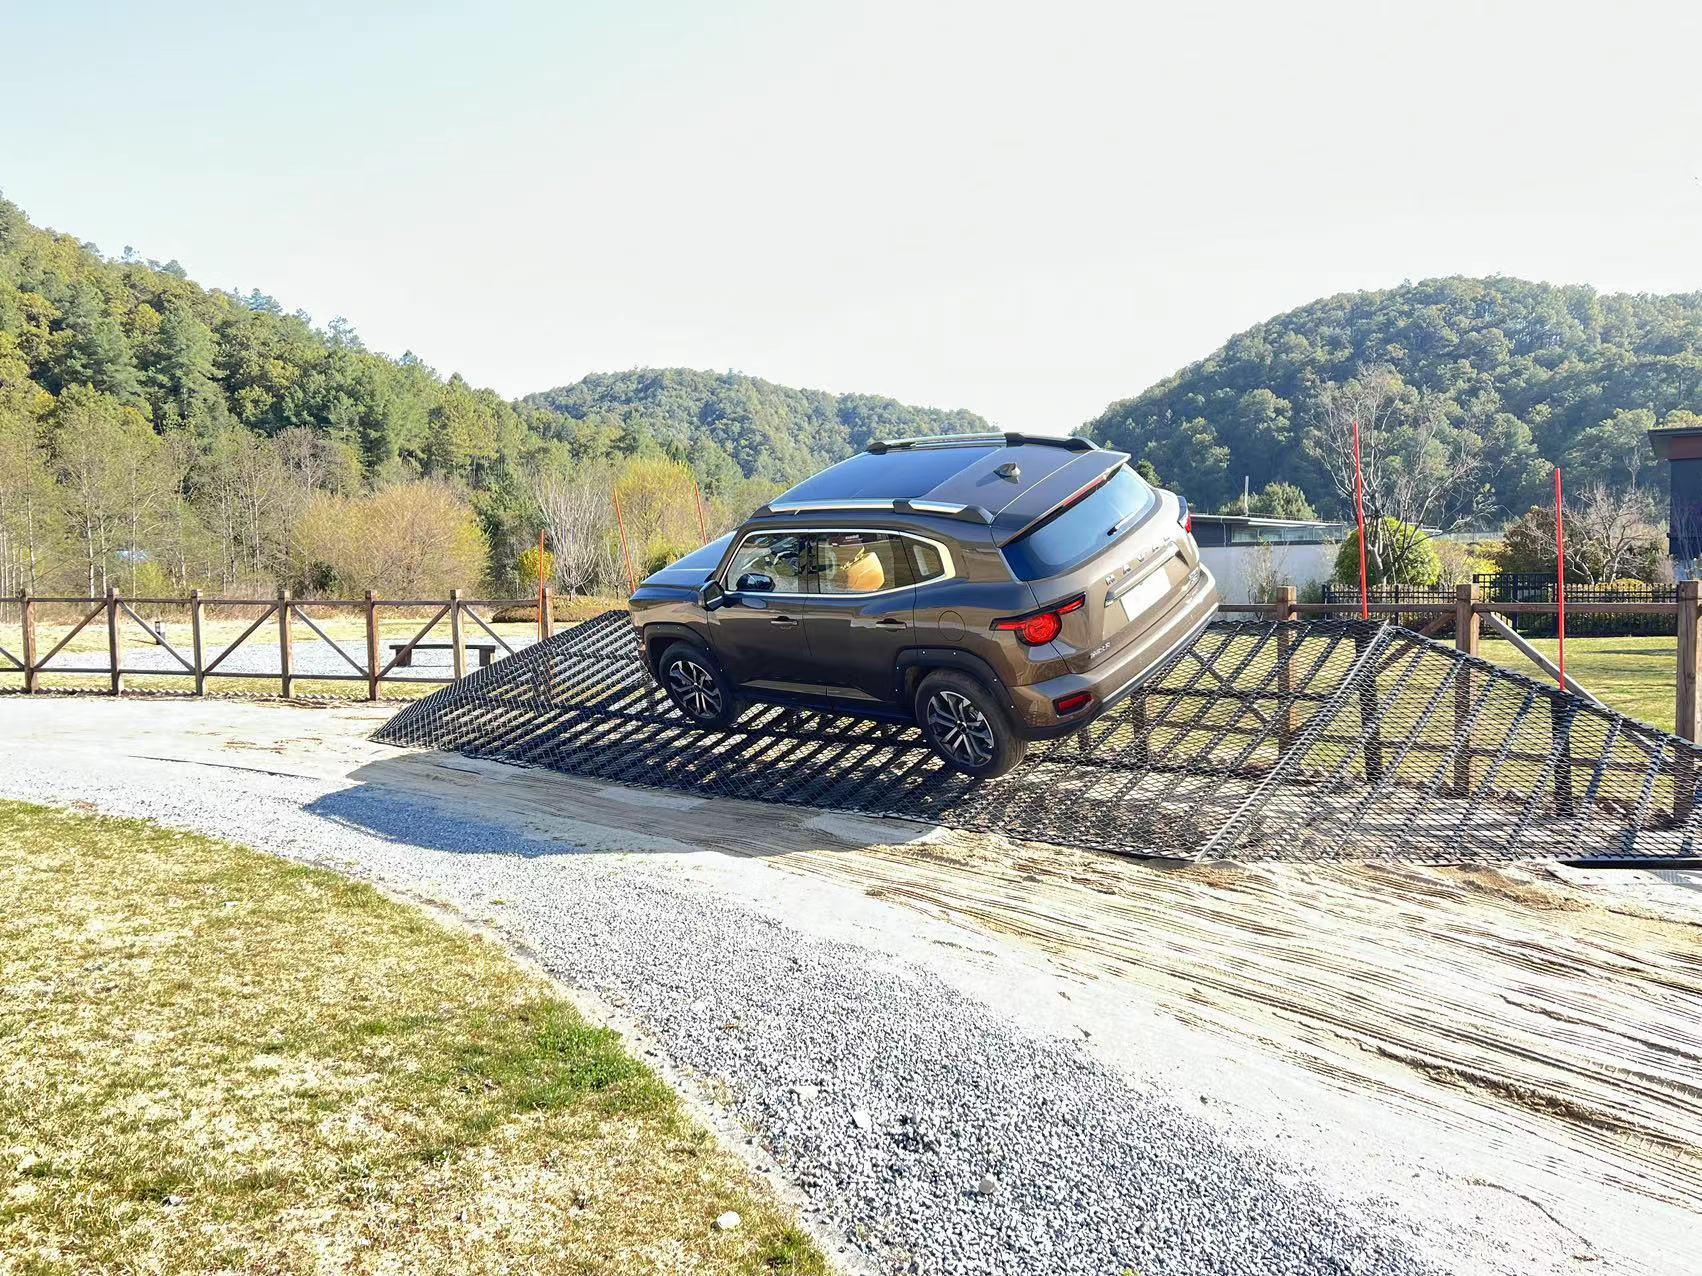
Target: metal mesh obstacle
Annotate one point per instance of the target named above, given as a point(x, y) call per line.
point(1310, 740)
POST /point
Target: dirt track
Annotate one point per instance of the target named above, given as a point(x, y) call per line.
point(1512, 1055)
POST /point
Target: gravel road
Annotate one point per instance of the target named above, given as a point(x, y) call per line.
point(931, 1133)
point(310, 657)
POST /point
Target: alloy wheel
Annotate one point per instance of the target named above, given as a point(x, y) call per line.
point(694, 687)
point(961, 729)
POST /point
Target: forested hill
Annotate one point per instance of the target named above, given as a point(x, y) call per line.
point(1540, 374)
point(207, 434)
point(769, 431)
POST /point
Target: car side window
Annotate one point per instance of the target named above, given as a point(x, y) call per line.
point(926, 560)
point(860, 562)
point(768, 563)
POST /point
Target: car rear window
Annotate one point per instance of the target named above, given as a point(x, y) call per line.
point(1070, 538)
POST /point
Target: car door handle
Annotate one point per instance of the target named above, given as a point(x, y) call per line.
point(785, 622)
point(891, 622)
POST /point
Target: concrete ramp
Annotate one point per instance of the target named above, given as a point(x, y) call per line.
point(1313, 740)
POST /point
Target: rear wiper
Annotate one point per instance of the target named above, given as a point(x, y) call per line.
point(1123, 522)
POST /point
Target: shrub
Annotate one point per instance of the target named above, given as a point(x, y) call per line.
point(1401, 555)
point(531, 578)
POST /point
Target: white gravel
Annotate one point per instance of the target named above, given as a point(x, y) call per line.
point(309, 656)
point(929, 1133)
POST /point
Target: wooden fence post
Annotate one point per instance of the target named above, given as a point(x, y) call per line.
point(1285, 598)
point(26, 610)
point(547, 615)
point(1687, 701)
point(197, 649)
point(458, 655)
point(286, 645)
point(372, 665)
point(1467, 628)
point(112, 640)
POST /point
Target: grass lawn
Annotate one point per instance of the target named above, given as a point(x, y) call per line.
point(1636, 676)
point(215, 1061)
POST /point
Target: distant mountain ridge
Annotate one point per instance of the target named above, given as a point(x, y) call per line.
point(768, 431)
point(1540, 373)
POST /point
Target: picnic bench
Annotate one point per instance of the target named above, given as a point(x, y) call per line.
point(405, 651)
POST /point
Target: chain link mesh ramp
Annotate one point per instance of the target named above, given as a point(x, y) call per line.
point(1310, 740)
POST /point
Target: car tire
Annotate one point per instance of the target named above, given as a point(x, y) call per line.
point(697, 687)
point(965, 726)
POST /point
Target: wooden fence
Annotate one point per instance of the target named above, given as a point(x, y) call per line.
point(466, 621)
point(1469, 613)
point(1466, 616)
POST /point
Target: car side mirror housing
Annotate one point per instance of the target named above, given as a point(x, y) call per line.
point(756, 583)
point(711, 595)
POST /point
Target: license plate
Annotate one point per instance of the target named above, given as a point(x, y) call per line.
point(1139, 600)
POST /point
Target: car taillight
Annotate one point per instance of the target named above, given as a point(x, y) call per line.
point(1040, 627)
point(1184, 515)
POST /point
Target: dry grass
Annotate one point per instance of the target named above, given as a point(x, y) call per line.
point(215, 1061)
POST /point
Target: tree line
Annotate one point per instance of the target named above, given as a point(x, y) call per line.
point(156, 435)
point(1507, 377)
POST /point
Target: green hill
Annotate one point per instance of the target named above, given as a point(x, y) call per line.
point(766, 430)
point(1540, 375)
point(147, 419)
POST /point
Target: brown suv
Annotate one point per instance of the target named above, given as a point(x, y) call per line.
point(992, 589)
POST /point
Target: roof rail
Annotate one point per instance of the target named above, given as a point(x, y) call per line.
point(939, 509)
point(1006, 438)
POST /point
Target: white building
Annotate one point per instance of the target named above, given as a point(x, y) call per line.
point(1249, 555)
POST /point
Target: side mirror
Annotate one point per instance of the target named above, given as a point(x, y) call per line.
point(756, 583)
point(711, 595)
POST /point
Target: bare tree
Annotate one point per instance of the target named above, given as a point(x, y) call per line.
point(579, 516)
point(251, 501)
point(1611, 534)
point(1419, 470)
point(29, 507)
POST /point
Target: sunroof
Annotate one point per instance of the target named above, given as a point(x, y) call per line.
point(887, 476)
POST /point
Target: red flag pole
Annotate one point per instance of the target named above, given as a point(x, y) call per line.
point(1359, 511)
point(1560, 572)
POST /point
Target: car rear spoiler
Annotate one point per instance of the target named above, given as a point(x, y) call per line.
point(1003, 438)
point(1055, 493)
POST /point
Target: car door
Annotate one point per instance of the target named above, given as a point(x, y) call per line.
point(857, 617)
point(758, 631)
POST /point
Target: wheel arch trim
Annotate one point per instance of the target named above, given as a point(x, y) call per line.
point(918, 662)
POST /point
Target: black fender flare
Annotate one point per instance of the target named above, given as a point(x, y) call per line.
point(914, 664)
point(653, 639)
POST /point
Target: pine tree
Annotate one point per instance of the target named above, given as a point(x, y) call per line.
point(97, 353)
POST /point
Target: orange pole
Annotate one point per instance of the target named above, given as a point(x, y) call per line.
point(702, 528)
point(541, 575)
point(626, 554)
point(1560, 573)
point(1359, 510)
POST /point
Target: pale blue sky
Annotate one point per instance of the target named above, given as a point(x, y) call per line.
point(1025, 209)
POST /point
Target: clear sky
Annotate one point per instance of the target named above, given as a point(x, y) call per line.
point(1026, 209)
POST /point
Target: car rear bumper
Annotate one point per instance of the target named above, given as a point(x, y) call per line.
point(1036, 719)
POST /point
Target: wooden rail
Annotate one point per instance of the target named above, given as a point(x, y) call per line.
point(199, 663)
point(1468, 613)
